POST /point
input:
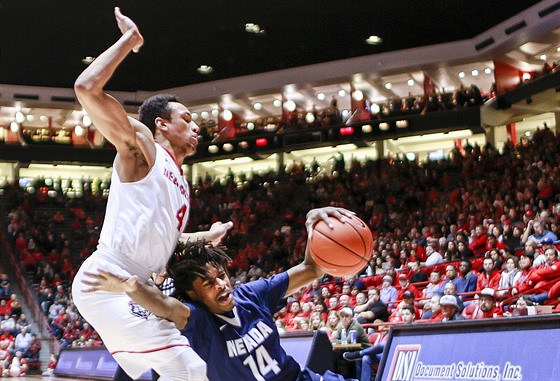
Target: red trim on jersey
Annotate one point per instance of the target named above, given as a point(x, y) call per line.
point(153, 350)
point(173, 157)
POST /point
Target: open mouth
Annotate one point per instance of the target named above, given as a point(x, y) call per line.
point(224, 297)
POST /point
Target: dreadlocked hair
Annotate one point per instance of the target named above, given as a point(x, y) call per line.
point(189, 261)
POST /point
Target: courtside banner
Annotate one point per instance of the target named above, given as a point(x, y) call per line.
point(89, 363)
point(506, 349)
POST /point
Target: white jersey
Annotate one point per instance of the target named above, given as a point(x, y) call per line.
point(144, 218)
point(143, 222)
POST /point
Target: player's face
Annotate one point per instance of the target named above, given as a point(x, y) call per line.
point(214, 291)
point(182, 130)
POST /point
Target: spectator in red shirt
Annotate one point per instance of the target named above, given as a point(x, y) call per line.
point(406, 286)
point(434, 313)
point(489, 277)
point(493, 243)
point(4, 308)
point(478, 243)
point(486, 308)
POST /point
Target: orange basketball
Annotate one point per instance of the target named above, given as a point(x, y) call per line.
point(343, 250)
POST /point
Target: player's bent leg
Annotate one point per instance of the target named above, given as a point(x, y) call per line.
point(187, 366)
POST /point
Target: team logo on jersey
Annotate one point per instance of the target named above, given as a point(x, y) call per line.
point(138, 311)
point(403, 363)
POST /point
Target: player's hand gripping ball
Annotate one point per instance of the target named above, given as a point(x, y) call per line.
point(343, 250)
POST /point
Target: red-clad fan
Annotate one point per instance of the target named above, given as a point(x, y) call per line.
point(406, 286)
point(489, 278)
point(526, 264)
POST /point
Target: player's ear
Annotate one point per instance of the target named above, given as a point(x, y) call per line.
point(161, 123)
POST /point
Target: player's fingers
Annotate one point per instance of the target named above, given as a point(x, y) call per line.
point(92, 275)
point(90, 283)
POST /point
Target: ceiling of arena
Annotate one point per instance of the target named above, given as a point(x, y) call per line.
point(43, 42)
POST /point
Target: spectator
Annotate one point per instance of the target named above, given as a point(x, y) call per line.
point(8, 324)
point(51, 365)
point(540, 258)
point(464, 251)
point(526, 265)
point(55, 309)
point(434, 257)
point(343, 301)
point(512, 237)
point(4, 286)
point(373, 309)
point(450, 308)
point(489, 277)
point(493, 243)
point(467, 281)
point(34, 348)
point(406, 286)
point(539, 232)
point(451, 253)
point(416, 274)
point(372, 355)
point(451, 289)
point(486, 307)
point(23, 340)
point(433, 312)
point(317, 322)
point(4, 308)
point(22, 322)
point(14, 305)
point(18, 366)
point(497, 258)
point(478, 243)
point(450, 276)
point(540, 279)
point(432, 288)
point(333, 304)
point(388, 292)
point(509, 276)
point(333, 324)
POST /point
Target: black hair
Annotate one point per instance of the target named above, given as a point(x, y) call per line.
point(409, 308)
point(154, 107)
point(189, 261)
point(468, 263)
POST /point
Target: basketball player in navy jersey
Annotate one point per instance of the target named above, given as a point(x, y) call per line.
point(232, 330)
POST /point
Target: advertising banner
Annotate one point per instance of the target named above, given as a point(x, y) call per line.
point(508, 349)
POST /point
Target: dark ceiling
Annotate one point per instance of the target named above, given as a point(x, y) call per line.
point(43, 42)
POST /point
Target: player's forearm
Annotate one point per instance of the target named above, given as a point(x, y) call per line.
point(94, 78)
point(302, 275)
point(153, 300)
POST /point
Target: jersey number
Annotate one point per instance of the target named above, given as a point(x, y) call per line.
point(263, 364)
point(181, 214)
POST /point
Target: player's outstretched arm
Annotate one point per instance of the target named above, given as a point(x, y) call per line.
point(307, 271)
point(146, 295)
point(106, 112)
point(217, 231)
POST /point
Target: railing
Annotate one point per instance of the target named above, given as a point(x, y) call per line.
point(28, 295)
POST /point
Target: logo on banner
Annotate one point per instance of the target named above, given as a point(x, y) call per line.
point(406, 366)
point(404, 361)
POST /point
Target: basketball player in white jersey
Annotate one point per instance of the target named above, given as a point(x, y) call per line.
point(146, 214)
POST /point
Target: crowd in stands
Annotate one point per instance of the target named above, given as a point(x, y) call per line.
point(19, 346)
point(469, 237)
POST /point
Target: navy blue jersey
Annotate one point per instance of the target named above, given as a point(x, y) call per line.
point(246, 347)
